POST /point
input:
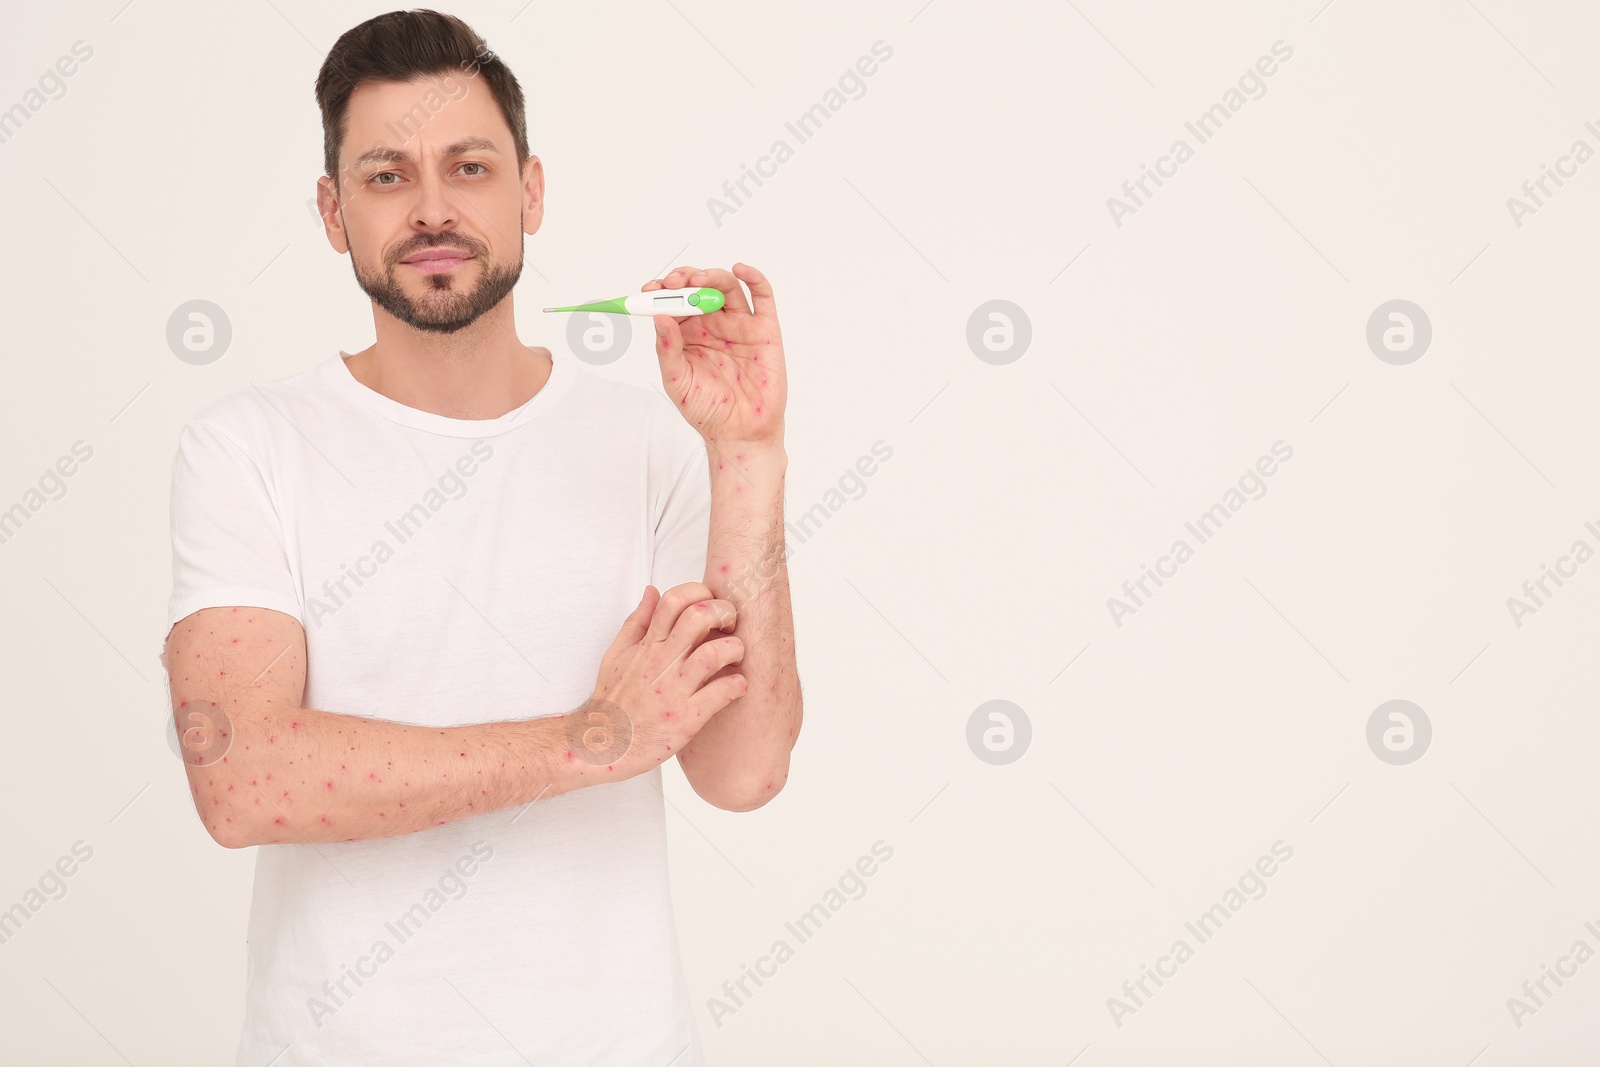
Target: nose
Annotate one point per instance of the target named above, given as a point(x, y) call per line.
point(435, 207)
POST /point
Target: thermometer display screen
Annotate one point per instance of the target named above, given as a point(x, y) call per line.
point(671, 301)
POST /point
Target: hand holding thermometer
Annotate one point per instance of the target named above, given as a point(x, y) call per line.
point(675, 302)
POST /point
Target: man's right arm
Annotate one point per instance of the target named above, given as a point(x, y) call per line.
point(263, 769)
point(266, 770)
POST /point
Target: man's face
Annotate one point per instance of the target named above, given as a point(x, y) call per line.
point(432, 205)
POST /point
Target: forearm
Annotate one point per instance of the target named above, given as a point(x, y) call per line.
point(299, 775)
point(742, 754)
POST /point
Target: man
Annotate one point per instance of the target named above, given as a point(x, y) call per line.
point(394, 651)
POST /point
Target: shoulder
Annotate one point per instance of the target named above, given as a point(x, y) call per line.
point(250, 415)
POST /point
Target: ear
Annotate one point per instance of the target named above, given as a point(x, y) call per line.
point(532, 194)
point(332, 219)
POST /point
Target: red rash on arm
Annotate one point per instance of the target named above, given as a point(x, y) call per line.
point(359, 778)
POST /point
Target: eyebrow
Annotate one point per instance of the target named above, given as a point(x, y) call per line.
point(395, 155)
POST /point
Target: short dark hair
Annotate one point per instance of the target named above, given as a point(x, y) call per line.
point(401, 46)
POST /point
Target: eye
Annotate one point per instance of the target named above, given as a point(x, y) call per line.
point(384, 174)
point(478, 165)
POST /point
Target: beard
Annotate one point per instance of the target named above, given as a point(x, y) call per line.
point(446, 306)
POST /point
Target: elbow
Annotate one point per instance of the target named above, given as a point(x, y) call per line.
point(756, 793)
point(227, 823)
point(227, 833)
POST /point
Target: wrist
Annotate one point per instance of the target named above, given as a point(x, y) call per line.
point(748, 457)
point(544, 745)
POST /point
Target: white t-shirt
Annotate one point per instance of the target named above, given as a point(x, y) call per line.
point(452, 571)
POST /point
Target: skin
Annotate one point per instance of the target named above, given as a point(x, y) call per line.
point(726, 373)
point(704, 672)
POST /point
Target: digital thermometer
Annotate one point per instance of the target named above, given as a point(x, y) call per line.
point(702, 301)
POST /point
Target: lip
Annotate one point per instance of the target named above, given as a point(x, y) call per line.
point(437, 260)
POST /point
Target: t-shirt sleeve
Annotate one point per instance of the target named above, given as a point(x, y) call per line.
point(227, 539)
point(684, 525)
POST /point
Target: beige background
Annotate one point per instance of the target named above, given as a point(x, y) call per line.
point(1167, 354)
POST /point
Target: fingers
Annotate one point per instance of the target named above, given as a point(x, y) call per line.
point(699, 619)
point(690, 630)
point(709, 658)
point(666, 281)
point(689, 633)
point(716, 278)
point(678, 277)
point(760, 290)
point(716, 696)
point(672, 605)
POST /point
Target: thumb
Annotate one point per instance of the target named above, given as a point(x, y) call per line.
point(636, 625)
point(669, 351)
point(639, 621)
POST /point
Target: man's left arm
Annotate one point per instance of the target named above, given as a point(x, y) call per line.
point(725, 372)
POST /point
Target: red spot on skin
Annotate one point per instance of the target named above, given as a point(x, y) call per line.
point(325, 819)
point(769, 785)
point(330, 783)
point(570, 757)
point(236, 640)
point(610, 768)
point(279, 822)
point(666, 714)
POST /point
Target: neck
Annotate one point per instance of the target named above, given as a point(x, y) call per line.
point(479, 372)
